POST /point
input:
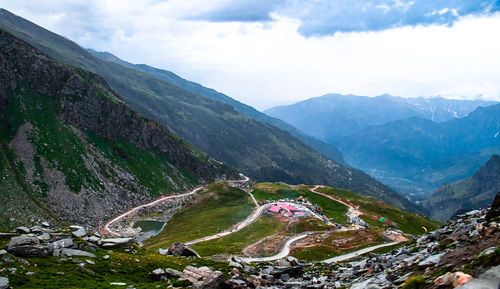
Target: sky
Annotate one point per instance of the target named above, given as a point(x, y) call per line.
point(273, 52)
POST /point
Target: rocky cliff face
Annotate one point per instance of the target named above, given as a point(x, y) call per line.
point(472, 193)
point(82, 152)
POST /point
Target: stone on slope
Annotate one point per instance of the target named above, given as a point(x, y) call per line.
point(73, 252)
point(179, 249)
point(487, 280)
point(116, 242)
point(495, 209)
point(23, 230)
point(431, 260)
point(203, 277)
point(23, 241)
point(80, 232)
point(452, 279)
point(4, 283)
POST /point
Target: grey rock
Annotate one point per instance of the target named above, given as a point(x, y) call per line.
point(203, 277)
point(23, 230)
point(235, 264)
point(46, 224)
point(80, 233)
point(3, 252)
point(93, 239)
point(237, 282)
point(172, 273)
point(488, 280)
point(74, 252)
point(158, 273)
point(4, 283)
point(431, 260)
point(116, 242)
point(284, 277)
point(30, 251)
point(162, 251)
point(179, 249)
point(60, 244)
point(36, 229)
point(44, 237)
point(105, 257)
point(23, 241)
point(488, 251)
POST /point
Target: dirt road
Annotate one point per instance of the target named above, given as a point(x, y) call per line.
point(284, 252)
point(249, 220)
point(135, 209)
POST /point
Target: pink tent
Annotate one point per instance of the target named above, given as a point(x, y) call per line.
point(287, 207)
point(274, 209)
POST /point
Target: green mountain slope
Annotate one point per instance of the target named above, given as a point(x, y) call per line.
point(475, 192)
point(425, 152)
point(325, 149)
point(259, 150)
point(73, 151)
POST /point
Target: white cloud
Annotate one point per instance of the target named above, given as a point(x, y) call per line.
point(266, 64)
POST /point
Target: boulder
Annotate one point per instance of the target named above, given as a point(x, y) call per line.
point(80, 232)
point(4, 283)
point(30, 251)
point(22, 241)
point(452, 279)
point(431, 260)
point(73, 252)
point(162, 251)
point(203, 277)
point(235, 264)
point(23, 230)
point(489, 279)
point(60, 244)
point(46, 224)
point(172, 273)
point(157, 273)
point(494, 212)
point(116, 242)
point(179, 249)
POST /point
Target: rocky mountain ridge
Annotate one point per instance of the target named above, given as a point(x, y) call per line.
point(74, 147)
point(471, 193)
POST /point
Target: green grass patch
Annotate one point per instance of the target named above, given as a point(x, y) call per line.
point(236, 242)
point(210, 212)
point(326, 249)
point(404, 221)
point(132, 269)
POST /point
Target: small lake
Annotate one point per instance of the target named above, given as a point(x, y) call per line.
point(149, 228)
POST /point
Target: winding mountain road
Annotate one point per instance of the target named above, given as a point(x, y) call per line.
point(135, 209)
point(284, 252)
point(249, 220)
point(357, 253)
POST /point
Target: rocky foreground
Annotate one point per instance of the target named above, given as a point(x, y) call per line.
point(462, 254)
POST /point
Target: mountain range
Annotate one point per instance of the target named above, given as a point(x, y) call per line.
point(411, 144)
point(333, 116)
point(462, 196)
point(426, 153)
point(257, 149)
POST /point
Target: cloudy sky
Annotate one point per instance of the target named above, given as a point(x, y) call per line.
point(272, 52)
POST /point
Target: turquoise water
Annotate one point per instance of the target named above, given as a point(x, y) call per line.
point(149, 228)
